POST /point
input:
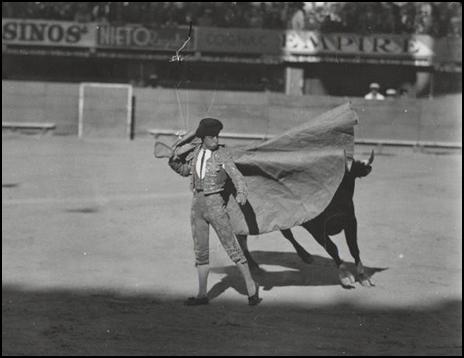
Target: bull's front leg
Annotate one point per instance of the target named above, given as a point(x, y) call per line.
point(243, 242)
point(351, 235)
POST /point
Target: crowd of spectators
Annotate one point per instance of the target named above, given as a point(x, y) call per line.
point(437, 19)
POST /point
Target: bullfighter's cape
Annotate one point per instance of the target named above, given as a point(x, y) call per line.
point(292, 177)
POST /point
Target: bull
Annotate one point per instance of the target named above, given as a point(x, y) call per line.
point(337, 217)
point(271, 177)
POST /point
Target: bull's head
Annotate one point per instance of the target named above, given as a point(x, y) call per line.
point(362, 168)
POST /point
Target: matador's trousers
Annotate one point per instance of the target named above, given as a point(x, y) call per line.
point(211, 209)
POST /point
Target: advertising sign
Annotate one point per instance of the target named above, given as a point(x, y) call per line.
point(239, 41)
point(385, 46)
point(232, 44)
point(48, 33)
point(138, 37)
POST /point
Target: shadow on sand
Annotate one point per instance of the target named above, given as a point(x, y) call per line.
point(100, 322)
point(321, 272)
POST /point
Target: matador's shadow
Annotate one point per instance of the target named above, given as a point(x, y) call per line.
point(321, 272)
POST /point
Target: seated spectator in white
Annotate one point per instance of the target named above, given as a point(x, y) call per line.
point(374, 93)
point(390, 93)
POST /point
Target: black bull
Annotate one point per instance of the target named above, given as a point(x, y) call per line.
point(337, 217)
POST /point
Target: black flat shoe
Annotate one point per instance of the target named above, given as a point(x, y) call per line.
point(196, 301)
point(254, 300)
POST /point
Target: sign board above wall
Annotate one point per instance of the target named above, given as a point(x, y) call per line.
point(48, 33)
point(271, 46)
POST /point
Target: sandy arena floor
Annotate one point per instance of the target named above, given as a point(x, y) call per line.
point(97, 258)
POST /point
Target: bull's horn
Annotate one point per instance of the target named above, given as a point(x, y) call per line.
point(371, 158)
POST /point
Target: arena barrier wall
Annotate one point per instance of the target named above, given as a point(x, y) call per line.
point(436, 120)
point(41, 102)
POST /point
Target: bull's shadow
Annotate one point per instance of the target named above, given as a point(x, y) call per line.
point(321, 272)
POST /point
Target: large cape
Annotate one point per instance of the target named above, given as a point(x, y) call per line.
point(292, 177)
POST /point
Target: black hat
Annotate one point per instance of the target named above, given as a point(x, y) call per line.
point(208, 127)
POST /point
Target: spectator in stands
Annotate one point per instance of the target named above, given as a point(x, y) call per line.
point(230, 16)
point(206, 18)
point(312, 24)
point(100, 12)
point(407, 16)
point(83, 13)
point(370, 19)
point(391, 18)
point(181, 13)
point(390, 93)
point(425, 20)
point(278, 15)
point(455, 27)
point(349, 16)
point(66, 11)
point(297, 16)
point(333, 20)
point(433, 18)
point(374, 93)
point(255, 19)
point(170, 15)
point(242, 10)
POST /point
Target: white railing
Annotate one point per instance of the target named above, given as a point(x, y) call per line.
point(379, 142)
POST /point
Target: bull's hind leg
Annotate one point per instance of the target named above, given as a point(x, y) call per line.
point(302, 253)
point(319, 233)
point(243, 242)
point(351, 235)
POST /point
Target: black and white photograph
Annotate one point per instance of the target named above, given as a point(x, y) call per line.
point(231, 178)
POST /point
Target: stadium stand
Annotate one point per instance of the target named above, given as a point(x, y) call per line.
point(437, 19)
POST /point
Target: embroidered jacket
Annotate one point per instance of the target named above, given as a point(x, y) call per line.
point(218, 167)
